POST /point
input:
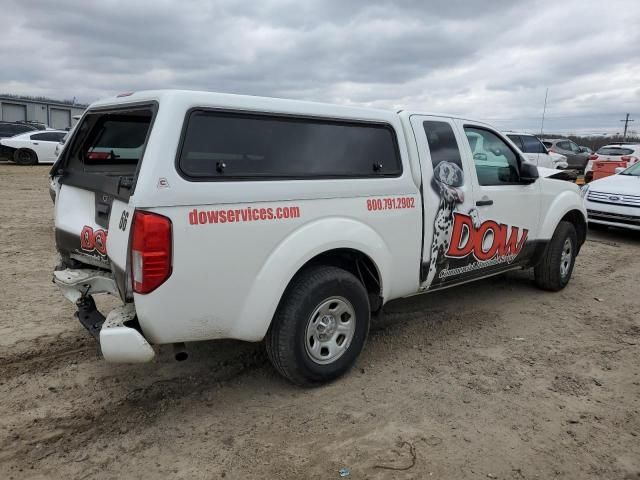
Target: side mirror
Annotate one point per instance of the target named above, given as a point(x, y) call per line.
point(528, 172)
point(620, 169)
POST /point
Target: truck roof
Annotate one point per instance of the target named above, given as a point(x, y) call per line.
point(192, 98)
point(189, 98)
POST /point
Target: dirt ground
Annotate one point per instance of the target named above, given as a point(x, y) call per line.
point(493, 380)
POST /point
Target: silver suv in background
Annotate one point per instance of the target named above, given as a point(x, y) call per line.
point(577, 157)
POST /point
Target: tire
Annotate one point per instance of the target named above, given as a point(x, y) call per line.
point(554, 270)
point(25, 157)
point(322, 304)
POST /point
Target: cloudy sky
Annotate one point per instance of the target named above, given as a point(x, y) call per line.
point(487, 60)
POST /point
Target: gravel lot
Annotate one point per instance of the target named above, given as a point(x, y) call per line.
point(492, 380)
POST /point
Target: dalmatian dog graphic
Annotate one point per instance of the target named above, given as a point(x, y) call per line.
point(447, 180)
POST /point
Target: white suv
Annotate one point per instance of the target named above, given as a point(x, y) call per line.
point(221, 216)
point(614, 201)
point(535, 151)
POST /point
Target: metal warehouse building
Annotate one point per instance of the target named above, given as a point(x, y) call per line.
point(54, 113)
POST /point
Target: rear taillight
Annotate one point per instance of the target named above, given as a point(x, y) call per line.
point(593, 157)
point(150, 251)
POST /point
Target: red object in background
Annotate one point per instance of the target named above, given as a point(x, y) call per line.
point(606, 168)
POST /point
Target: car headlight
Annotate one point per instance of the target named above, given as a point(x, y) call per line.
point(583, 190)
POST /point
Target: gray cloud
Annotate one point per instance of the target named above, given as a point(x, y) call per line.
point(488, 60)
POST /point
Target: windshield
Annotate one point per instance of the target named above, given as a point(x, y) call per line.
point(632, 170)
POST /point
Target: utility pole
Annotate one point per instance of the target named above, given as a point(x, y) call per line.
point(626, 123)
point(544, 109)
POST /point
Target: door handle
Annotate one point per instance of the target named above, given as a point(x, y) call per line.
point(35, 143)
point(484, 202)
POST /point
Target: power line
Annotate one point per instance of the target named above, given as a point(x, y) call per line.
point(626, 123)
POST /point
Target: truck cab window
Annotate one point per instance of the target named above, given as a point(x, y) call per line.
point(496, 163)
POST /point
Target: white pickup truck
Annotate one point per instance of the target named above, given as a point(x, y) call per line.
point(222, 216)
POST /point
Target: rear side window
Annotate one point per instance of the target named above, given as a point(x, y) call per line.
point(531, 144)
point(615, 151)
point(219, 145)
point(48, 136)
point(443, 145)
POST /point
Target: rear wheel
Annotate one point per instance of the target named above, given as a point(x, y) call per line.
point(25, 157)
point(320, 326)
point(554, 271)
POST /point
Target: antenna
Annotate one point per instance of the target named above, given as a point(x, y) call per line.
point(544, 110)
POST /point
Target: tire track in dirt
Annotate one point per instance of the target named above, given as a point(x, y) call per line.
point(110, 416)
point(54, 354)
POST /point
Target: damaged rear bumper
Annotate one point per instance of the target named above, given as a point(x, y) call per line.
point(120, 340)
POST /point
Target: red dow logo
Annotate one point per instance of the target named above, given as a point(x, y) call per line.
point(466, 239)
point(91, 240)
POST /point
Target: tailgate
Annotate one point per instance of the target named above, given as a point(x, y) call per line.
point(97, 176)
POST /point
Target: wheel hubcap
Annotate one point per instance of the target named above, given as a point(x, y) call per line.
point(566, 258)
point(330, 330)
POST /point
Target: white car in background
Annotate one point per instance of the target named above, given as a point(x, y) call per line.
point(60, 145)
point(64, 139)
point(535, 152)
point(615, 200)
point(34, 147)
point(614, 152)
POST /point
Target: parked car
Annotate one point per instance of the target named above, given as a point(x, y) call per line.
point(33, 147)
point(225, 216)
point(36, 125)
point(10, 129)
point(535, 152)
point(576, 158)
point(63, 140)
point(615, 201)
point(586, 149)
point(614, 152)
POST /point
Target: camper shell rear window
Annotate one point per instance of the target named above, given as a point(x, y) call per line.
point(106, 149)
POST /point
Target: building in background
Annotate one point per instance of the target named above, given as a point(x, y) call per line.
point(56, 114)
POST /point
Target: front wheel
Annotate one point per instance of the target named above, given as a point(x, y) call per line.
point(25, 157)
point(320, 326)
point(554, 271)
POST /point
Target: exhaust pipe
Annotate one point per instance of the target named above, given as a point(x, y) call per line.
point(180, 352)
